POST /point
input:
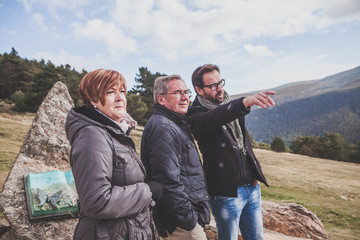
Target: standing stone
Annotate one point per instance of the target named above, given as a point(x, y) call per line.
point(45, 148)
point(46, 140)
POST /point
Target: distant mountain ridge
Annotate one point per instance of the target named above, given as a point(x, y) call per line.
point(310, 108)
point(304, 89)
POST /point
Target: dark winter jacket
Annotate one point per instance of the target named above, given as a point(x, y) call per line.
point(218, 147)
point(171, 158)
point(109, 178)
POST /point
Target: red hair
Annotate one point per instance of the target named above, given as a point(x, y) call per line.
point(95, 84)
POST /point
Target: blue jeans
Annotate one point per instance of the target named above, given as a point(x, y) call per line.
point(244, 211)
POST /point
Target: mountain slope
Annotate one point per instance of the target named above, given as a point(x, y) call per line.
point(311, 108)
point(299, 90)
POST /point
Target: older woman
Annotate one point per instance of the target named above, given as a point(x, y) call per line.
point(109, 176)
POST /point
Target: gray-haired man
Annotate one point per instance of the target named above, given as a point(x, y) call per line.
point(171, 159)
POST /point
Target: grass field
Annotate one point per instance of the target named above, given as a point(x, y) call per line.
point(13, 129)
point(330, 189)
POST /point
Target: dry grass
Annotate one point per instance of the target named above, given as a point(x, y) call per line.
point(136, 137)
point(13, 129)
point(331, 189)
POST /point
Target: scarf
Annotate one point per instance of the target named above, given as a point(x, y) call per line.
point(234, 126)
point(126, 124)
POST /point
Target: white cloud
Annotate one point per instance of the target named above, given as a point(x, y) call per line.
point(106, 33)
point(347, 9)
point(78, 62)
point(27, 5)
point(38, 19)
point(258, 51)
point(178, 29)
point(166, 28)
point(182, 28)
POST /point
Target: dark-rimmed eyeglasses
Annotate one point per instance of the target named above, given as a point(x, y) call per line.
point(214, 86)
point(180, 93)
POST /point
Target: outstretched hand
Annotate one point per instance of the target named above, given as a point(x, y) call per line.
point(261, 99)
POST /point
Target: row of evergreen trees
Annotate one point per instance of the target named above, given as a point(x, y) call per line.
point(26, 83)
point(329, 146)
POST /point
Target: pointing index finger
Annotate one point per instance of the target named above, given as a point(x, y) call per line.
point(269, 92)
point(270, 100)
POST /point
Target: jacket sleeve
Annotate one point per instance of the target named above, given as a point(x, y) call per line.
point(92, 165)
point(164, 155)
point(202, 121)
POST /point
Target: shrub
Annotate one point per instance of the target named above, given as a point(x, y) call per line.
point(263, 145)
point(18, 98)
point(278, 145)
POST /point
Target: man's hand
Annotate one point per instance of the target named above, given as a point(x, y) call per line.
point(256, 182)
point(261, 99)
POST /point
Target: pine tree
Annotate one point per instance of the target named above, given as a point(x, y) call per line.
point(145, 89)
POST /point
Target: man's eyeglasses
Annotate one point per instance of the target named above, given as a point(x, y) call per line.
point(214, 86)
point(180, 93)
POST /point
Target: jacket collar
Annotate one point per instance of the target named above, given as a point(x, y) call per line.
point(96, 116)
point(196, 105)
point(173, 116)
point(196, 102)
point(112, 128)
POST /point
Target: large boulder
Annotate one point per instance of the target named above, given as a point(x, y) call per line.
point(45, 148)
point(211, 233)
point(285, 221)
point(293, 220)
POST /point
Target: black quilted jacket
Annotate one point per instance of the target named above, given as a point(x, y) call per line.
point(171, 158)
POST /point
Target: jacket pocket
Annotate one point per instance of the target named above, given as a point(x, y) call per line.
point(119, 173)
point(101, 231)
point(190, 155)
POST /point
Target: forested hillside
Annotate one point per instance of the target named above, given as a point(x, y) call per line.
point(335, 112)
point(31, 80)
point(26, 83)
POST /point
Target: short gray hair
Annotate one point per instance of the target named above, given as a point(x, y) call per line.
point(161, 84)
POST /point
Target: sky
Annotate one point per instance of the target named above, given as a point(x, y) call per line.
point(258, 44)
